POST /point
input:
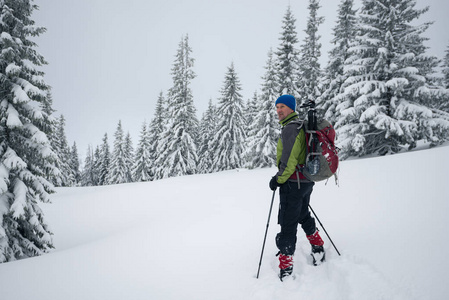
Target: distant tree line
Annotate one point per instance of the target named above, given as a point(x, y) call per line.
point(379, 88)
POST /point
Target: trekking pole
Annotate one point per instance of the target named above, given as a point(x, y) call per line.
point(265, 238)
point(324, 229)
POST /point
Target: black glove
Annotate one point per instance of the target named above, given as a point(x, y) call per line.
point(274, 183)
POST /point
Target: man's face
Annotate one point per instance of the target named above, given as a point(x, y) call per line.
point(283, 111)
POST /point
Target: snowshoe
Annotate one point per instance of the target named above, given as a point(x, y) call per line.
point(285, 273)
point(318, 255)
point(285, 265)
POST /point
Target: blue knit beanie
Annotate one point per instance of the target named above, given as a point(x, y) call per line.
point(288, 100)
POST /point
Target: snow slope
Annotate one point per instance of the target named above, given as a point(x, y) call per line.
point(200, 237)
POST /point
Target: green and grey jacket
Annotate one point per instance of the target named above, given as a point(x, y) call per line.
point(291, 150)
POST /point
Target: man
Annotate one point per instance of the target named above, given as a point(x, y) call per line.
point(295, 189)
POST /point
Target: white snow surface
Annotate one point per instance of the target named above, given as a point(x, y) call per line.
point(200, 237)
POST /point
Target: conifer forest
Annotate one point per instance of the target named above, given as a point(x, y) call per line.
point(380, 89)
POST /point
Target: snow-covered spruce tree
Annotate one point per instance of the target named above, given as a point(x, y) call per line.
point(104, 162)
point(129, 156)
point(178, 146)
point(387, 70)
point(75, 164)
point(446, 69)
point(142, 164)
point(444, 103)
point(207, 132)
point(25, 151)
point(61, 147)
point(228, 145)
point(263, 137)
point(119, 171)
point(88, 175)
point(344, 33)
point(97, 165)
point(49, 126)
point(287, 57)
point(250, 112)
point(155, 131)
point(309, 84)
point(54, 176)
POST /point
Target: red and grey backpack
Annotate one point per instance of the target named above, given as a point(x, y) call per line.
point(321, 153)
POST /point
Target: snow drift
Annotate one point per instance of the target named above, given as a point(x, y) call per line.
point(200, 237)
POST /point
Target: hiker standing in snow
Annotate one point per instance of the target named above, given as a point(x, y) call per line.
point(295, 189)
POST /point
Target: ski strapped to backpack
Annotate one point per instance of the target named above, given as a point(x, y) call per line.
point(321, 153)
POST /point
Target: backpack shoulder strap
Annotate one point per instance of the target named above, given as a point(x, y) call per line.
point(299, 123)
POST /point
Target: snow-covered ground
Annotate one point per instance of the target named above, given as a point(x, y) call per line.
point(200, 237)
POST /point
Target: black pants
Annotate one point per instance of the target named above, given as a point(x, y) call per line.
point(294, 210)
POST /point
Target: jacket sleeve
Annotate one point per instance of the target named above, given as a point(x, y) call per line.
point(291, 153)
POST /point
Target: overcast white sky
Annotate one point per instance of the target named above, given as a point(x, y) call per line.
point(110, 59)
